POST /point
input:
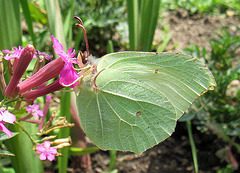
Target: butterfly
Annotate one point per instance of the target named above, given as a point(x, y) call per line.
point(134, 99)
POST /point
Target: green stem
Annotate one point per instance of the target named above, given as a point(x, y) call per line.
point(2, 102)
point(193, 147)
point(64, 132)
point(113, 159)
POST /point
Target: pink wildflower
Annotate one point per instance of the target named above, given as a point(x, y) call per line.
point(6, 117)
point(68, 75)
point(46, 152)
point(43, 54)
point(34, 110)
point(15, 53)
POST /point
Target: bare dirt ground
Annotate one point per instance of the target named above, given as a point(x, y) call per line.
point(171, 156)
point(195, 30)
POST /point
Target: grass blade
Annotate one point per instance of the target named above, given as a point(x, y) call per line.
point(67, 27)
point(149, 18)
point(166, 38)
point(142, 22)
point(10, 30)
point(193, 147)
point(55, 20)
point(28, 19)
point(133, 23)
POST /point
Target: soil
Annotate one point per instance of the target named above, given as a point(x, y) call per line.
point(174, 154)
point(194, 30)
point(171, 156)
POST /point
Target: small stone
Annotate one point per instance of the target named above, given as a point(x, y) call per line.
point(98, 170)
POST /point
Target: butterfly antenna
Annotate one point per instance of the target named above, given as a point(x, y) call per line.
point(80, 25)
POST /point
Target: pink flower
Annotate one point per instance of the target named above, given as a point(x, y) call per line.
point(34, 110)
point(46, 152)
point(43, 54)
point(6, 117)
point(68, 75)
point(15, 53)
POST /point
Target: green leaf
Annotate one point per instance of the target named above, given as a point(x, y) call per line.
point(55, 21)
point(142, 22)
point(10, 30)
point(28, 19)
point(133, 23)
point(139, 98)
point(6, 170)
point(4, 136)
point(25, 160)
point(5, 153)
point(37, 14)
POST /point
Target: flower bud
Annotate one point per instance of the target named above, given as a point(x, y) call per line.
point(63, 145)
point(60, 141)
point(49, 137)
point(46, 73)
point(24, 60)
point(2, 79)
point(32, 95)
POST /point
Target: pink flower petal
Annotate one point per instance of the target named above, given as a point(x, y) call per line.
point(34, 110)
point(5, 130)
point(40, 148)
point(47, 144)
point(70, 50)
point(43, 156)
point(73, 60)
point(50, 157)
point(35, 107)
point(68, 76)
point(48, 98)
point(29, 109)
point(53, 150)
point(8, 117)
point(35, 114)
point(58, 48)
point(7, 51)
point(40, 113)
point(15, 54)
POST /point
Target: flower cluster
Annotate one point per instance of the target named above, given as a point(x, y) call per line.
point(28, 89)
point(62, 66)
